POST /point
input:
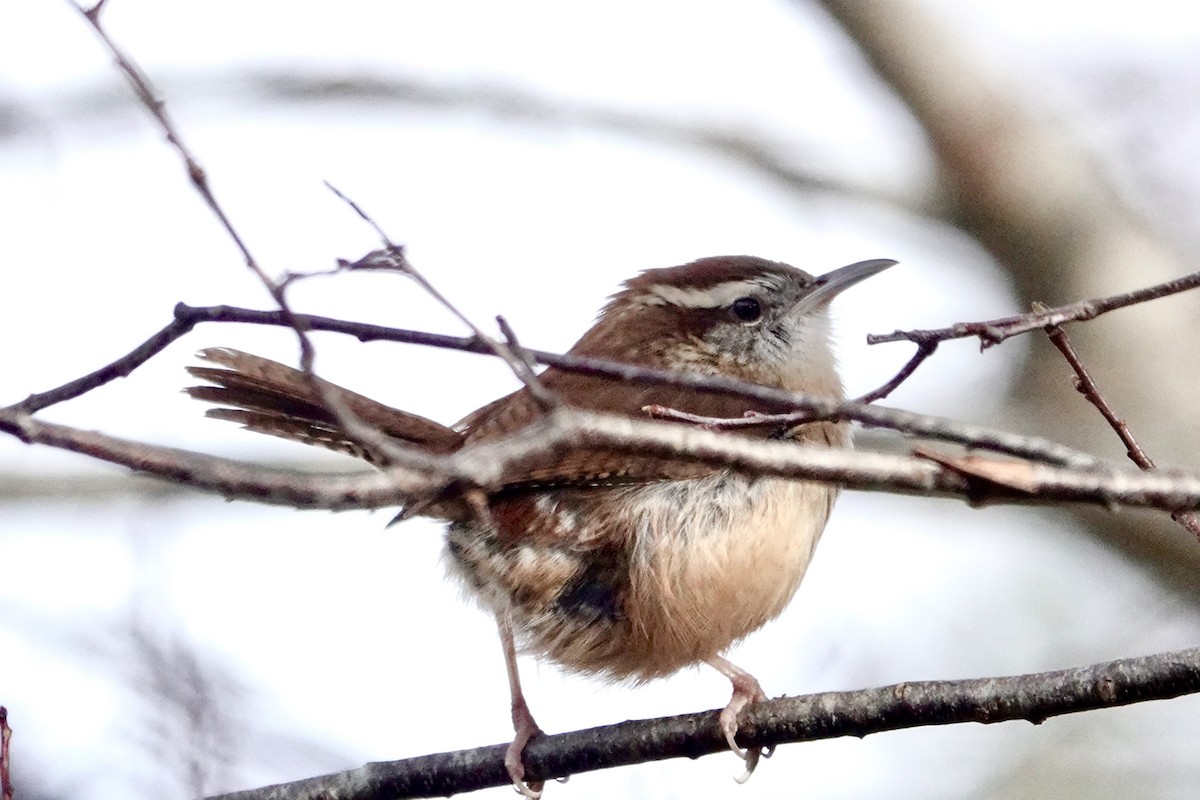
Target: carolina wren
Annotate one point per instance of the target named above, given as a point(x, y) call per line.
point(610, 564)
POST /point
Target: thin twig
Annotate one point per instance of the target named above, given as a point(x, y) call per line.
point(350, 424)
point(1087, 386)
point(157, 108)
point(393, 258)
point(120, 368)
point(149, 98)
point(751, 420)
point(924, 351)
point(1032, 698)
point(544, 397)
point(809, 408)
point(995, 331)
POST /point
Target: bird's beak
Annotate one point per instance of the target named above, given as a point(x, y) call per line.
point(831, 284)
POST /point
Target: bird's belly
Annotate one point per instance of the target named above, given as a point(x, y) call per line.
point(732, 566)
point(684, 570)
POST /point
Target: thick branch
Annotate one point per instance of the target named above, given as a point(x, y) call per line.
point(975, 480)
point(231, 479)
point(1034, 698)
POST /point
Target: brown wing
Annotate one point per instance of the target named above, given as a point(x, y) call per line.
point(601, 467)
point(268, 397)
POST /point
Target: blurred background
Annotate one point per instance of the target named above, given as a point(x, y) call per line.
point(158, 643)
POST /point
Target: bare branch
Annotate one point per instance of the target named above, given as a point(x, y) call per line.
point(352, 426)
point(228, 478)
point(1087, 386)
point(807, 407)
point(545, 398)
point(995, 331)
point(120, 368)
point(485, 465)
point(1033, 698)
point(148, 96)
point(393, 258)
point(924, 351)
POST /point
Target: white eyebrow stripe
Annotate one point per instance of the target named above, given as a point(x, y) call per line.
point(716, 296)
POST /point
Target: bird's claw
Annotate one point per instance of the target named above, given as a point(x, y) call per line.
point(516, 769)
point(750, 755)
point(746, 690)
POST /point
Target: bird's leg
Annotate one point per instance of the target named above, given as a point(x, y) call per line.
point(746, 690)
point(523, 722)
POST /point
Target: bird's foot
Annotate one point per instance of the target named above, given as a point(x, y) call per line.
point(746, 690)
point(526, 728)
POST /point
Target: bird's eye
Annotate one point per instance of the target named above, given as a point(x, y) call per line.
point(747, 309)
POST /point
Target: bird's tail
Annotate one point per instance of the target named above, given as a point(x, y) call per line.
point(268, 397)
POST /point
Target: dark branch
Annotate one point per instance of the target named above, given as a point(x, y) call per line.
point(808, 408)
point(1033, 698)
point(924, 351)
point(1087, 386)
point(995, 331)
point(121, 368)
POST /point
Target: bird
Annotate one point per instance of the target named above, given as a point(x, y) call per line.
point(625, 567)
